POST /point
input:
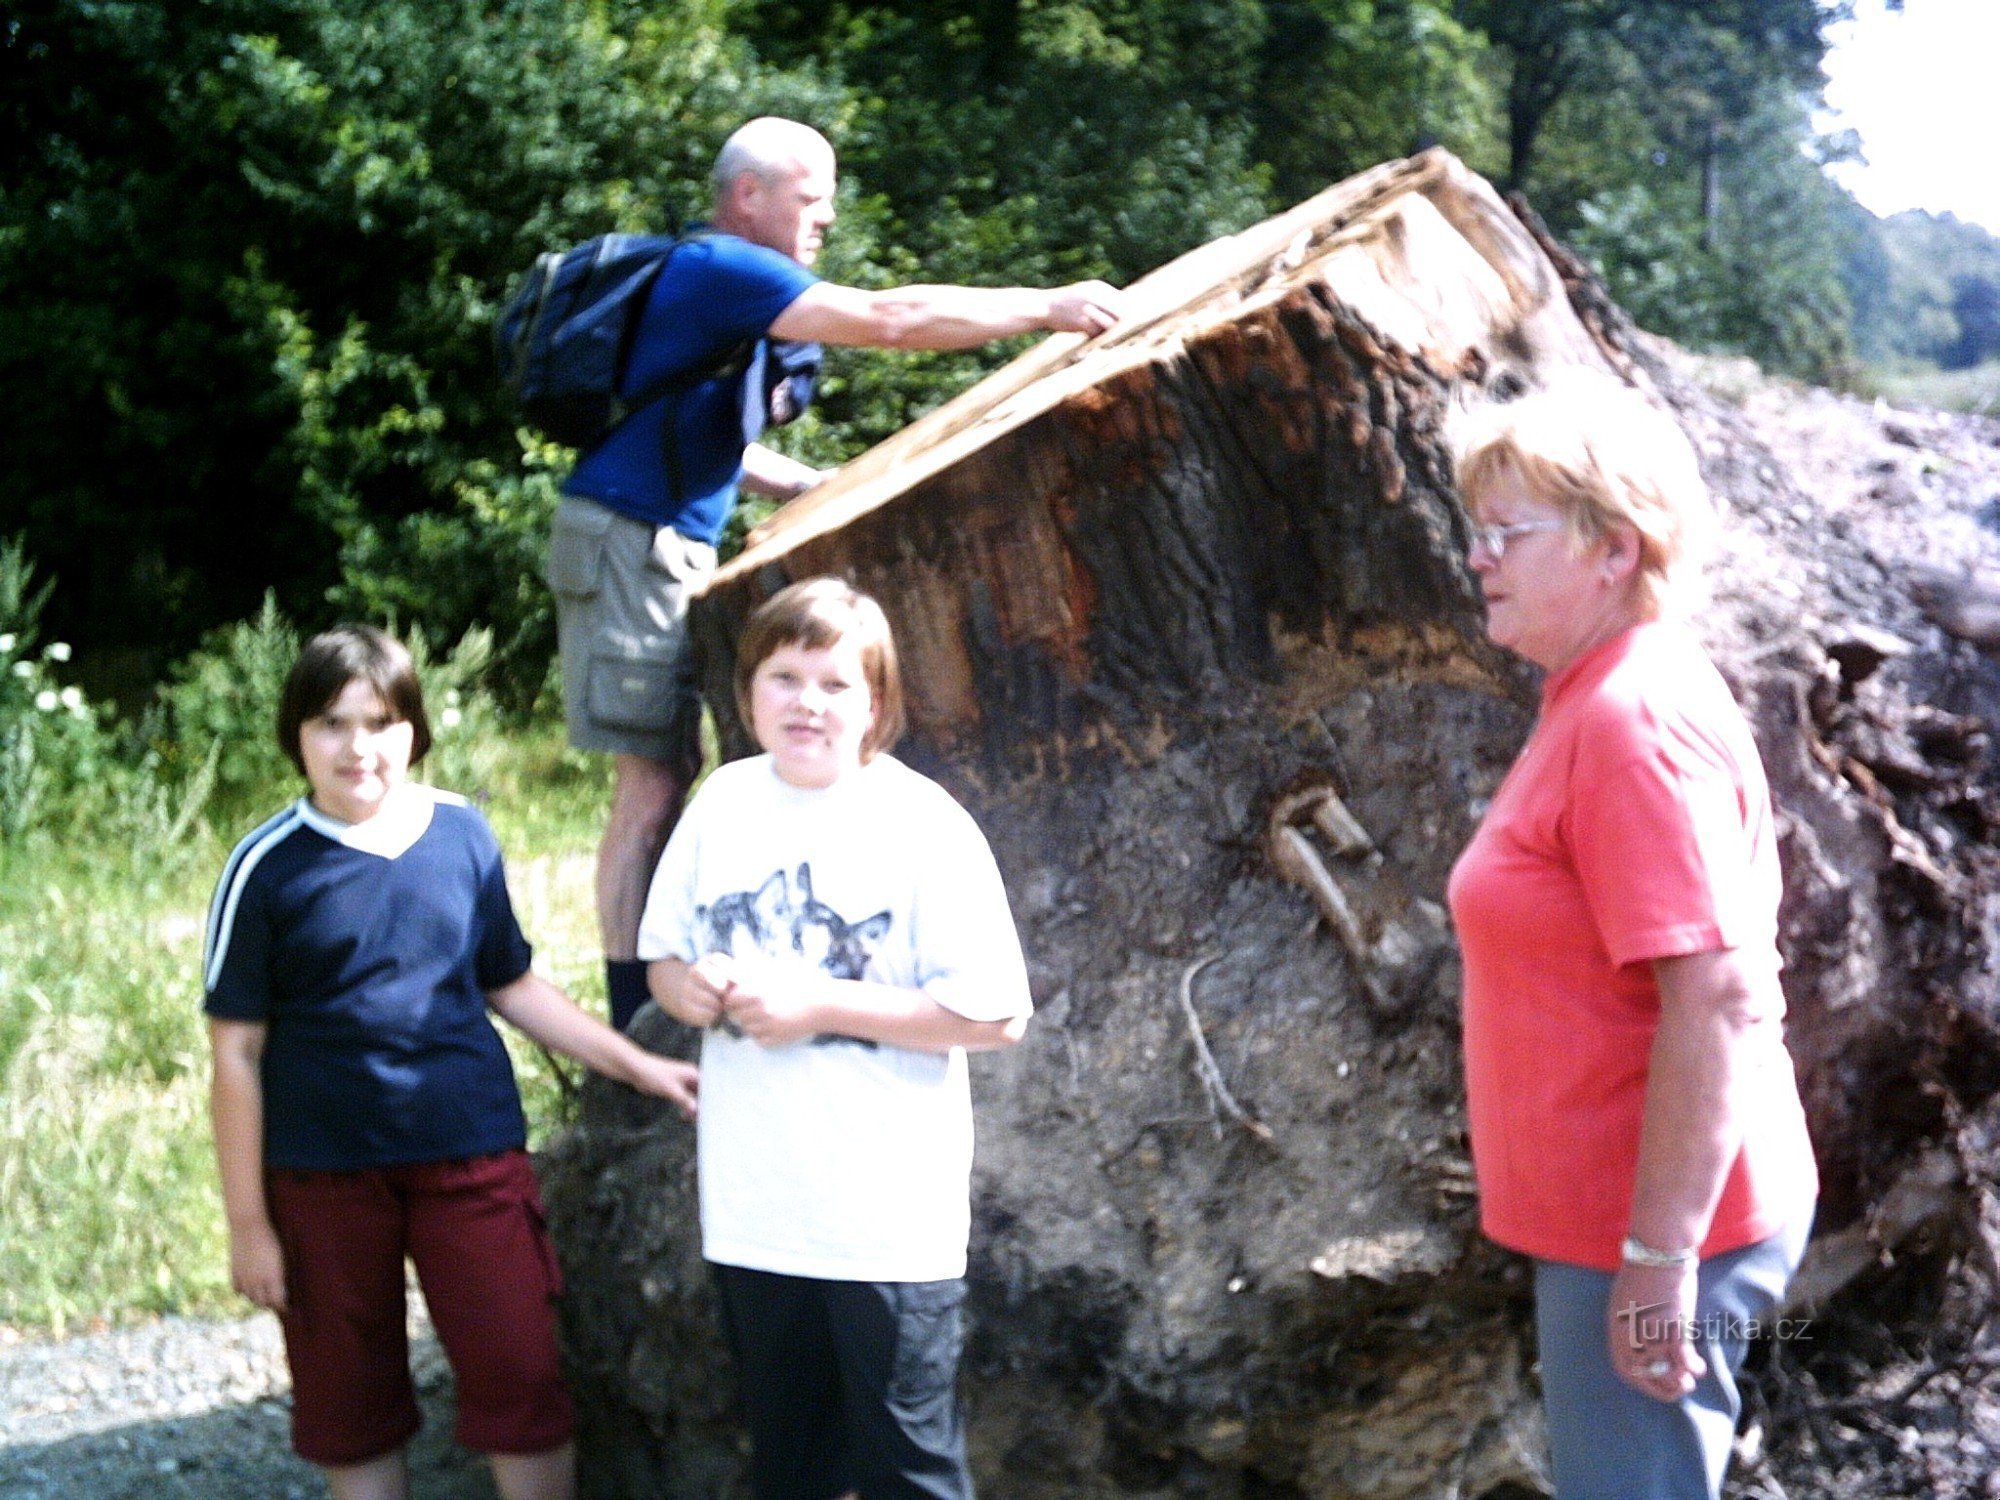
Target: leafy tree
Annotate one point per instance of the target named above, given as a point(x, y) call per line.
point(1924, 287)
point(1007, 142)
point(251, 249)
point(1865, 273)
point(1344, 84)
point(1725, 239)
point(140, 408)
point(247, 268)
point(1708, 53)
point(1975, 300)
point(994, 143)
point(1777, 247)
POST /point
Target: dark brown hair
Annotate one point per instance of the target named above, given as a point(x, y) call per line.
point(814, 614)
point(345, 654)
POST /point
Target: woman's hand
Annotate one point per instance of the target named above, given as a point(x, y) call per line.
point(1711, 1005)
point(1651, 1330)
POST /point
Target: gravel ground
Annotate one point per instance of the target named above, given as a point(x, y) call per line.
point(188, 1410)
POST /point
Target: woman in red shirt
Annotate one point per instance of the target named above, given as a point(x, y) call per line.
point(1635, 1121)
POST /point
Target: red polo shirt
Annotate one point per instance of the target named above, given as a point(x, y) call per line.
point(1635, 825)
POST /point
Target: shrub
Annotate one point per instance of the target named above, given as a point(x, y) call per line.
point(53, 741)
point(220, 706)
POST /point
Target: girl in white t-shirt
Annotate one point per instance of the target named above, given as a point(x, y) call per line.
point(836, 923)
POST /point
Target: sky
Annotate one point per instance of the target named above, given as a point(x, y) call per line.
point(1919, 86)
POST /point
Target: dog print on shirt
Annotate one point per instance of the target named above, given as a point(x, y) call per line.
point(747, 923)
point(820, 936)
point(783, 919)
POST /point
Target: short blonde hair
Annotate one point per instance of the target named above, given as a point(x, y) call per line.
point(1603, 456)
point(815, 613)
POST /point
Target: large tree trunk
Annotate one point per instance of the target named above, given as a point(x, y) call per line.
point(1185, 622)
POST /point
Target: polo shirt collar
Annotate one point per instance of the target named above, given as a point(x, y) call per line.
point(401, 822)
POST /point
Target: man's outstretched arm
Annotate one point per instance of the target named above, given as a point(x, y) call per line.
point(769, 472)
point(944, 317)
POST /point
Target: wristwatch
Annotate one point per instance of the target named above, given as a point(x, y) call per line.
point(1637, 1252)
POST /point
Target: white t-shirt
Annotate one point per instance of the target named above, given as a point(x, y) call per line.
point(836, 1158)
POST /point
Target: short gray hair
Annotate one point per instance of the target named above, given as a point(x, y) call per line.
point(766, 146)
point(1602, 454)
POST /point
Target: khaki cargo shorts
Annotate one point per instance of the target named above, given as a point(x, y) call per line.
point(622, 589)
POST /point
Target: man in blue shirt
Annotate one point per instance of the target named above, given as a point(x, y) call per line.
point(636, 534)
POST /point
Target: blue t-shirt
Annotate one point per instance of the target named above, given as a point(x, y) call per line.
point(715, 292)
point(370, 964)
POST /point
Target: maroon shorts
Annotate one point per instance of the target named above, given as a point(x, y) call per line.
point(474, 1231)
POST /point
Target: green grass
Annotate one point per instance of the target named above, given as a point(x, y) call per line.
point(1976, 390)
point(107, 1186)
point(547, 803)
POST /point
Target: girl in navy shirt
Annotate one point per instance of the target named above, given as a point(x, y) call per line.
point(364, 1106)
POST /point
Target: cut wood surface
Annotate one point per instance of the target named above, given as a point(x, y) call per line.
point(1185, 622)
point(1422, 249)
point(1313, 350)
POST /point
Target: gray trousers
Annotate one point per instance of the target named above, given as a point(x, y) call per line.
point(1608, 1441)
point(622, 589)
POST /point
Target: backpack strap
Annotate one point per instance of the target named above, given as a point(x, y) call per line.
point(731, 359)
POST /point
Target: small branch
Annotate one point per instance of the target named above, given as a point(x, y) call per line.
point(1301, 863)
point(1927, 1191)
point(569, 1086)
point(1219, 1097)
point(1970, 1363)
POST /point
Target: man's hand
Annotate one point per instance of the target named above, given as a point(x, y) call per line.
point(1087, 307)
point(771, 473)
point(1651, 1330)
point(257, 1264)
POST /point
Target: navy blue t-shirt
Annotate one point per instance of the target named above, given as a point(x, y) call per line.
point(371, 972)
point(715, 292)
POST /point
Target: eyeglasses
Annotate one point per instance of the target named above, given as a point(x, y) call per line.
point(1493, 539)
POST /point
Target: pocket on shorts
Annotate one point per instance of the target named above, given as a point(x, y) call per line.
point(507, 1179)
point(545, 1246)
point(576, 548)
point(628, 692)
point(929, 1332)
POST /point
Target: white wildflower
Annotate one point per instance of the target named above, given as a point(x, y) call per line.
point(7, 642)
point(58, 651)
point(46, 700)
point(72, 699)
point(450, 718)
point(24, 669)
